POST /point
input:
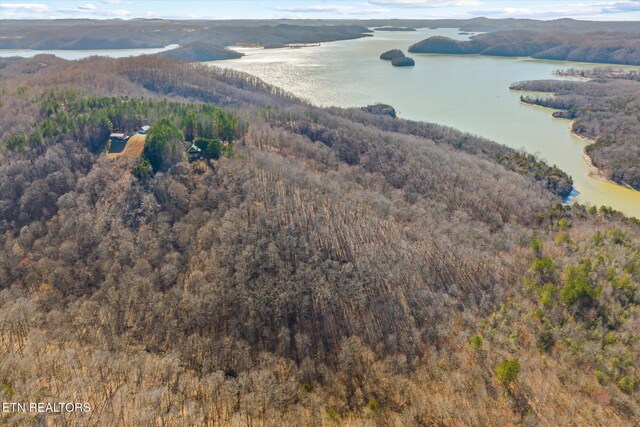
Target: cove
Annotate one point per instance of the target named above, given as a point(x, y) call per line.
point(470, 93)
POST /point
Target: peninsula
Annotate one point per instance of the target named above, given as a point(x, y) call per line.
point(201, 52)
point(610, 48)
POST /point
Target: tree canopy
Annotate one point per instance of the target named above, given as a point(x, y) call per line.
point(164, 146)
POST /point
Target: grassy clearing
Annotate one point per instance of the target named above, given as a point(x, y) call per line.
point(133, 149)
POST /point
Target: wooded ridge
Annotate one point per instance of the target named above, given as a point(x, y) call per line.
point(332, 266)
point(154, 33)
point(610, 47)
point(605, 109)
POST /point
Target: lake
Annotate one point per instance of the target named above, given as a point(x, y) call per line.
point(79, 54)
point(470, 93)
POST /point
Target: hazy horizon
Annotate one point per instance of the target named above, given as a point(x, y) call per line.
point(606, 10)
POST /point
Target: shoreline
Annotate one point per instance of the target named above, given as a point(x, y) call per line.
point(593, 172)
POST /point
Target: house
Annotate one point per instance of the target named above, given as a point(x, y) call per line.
point(144, 129)
point(194, 152)
point(118, 137)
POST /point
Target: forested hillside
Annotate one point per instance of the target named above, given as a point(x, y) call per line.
point(201, 52)
point(603, 47)
point(331, 267)
point(138, 33)
point(606, 109)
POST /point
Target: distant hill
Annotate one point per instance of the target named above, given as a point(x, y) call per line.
point(610, 48)
point(154, 33)
point(200, 52)
point(442, 44)
point(482, 24)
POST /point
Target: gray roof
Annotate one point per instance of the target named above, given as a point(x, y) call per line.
point(194, 149)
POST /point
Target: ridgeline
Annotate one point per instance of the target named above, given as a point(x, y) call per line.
point(315, 265)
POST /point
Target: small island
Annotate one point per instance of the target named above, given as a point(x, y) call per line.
point(201, 52)
point(380, 109)
point(397, 58)
point(405, 61)
point(392, 54)
point(394, 29)
point(608, 48)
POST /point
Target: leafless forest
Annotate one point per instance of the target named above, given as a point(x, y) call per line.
point(614, 47)
point(335, 267)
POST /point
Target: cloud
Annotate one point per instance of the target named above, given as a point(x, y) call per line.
point(88, 7)
point(37, 8)
point(327, 8)
point(622, 6)
point(92, 9)
point(547, 9)
point(425, 9)
point(425, 3)
point(560, 10)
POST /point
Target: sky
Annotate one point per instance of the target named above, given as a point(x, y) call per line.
point(605, 10)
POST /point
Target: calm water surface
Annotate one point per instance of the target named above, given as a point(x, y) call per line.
point(470, 93)
point(79, 54)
